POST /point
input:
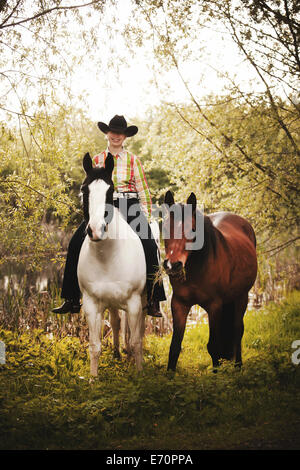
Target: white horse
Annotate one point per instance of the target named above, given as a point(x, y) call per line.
point(111, 267)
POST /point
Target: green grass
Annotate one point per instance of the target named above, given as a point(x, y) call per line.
point(47, 402)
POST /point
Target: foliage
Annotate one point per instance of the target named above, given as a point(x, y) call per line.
point(48, 403)
point(41, 171)
point(50, 50)
point(247, 138)
point(43, 132)
point(265, 189)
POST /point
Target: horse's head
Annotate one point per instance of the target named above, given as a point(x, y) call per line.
point(179, 229)
point(97, 191)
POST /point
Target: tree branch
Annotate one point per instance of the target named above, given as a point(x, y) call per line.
point(281, 247)
point(206, 137)
point(46, 12)
point(229, 139)
point(11, 13)
point(27, 186)
point(294, 36)
point(270, 96)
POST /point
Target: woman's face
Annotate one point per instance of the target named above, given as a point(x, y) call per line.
point(115, 140)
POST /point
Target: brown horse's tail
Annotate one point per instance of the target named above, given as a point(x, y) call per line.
point(227, 329)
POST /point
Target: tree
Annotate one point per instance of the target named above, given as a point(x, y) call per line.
point(43, 136)
point(254, 129)
point(41, 171)
point(52, 35)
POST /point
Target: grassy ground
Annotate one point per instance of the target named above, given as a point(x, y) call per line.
point(47, 402)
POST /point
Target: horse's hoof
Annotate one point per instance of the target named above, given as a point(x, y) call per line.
point(171, 373)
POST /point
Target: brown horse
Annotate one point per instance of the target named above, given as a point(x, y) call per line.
point(216, 276)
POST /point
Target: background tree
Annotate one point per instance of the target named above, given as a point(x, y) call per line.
point(44, 133)
point(238, 149)
point(41, 173)
point(40, 44)
point(253, 129)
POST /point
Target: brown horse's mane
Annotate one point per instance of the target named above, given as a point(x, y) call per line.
point(199, 256)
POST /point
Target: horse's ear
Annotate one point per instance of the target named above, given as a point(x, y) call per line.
point(169, 199)
point(87, 163)
point(193, 201)
point(109, 163)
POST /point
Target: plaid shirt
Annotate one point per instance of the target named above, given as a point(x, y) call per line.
point(128, 176)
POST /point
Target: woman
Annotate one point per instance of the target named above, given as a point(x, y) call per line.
point(130, 186)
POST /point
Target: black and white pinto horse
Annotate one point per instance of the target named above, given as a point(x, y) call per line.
point(111, 267)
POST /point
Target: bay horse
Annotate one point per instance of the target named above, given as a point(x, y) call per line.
point(217, 276)
point(111, 267)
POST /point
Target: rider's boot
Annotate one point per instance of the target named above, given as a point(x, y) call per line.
point(69, 306)
point(153, 309)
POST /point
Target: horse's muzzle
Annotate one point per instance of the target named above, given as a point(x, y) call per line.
point(174, 270)
point(90, 233)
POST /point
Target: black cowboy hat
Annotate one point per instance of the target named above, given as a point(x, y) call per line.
point(118, 125)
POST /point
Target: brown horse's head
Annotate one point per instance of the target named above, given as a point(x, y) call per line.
point(179, 230)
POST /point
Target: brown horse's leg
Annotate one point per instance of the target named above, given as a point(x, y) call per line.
point(227, 331)
point(179, 313)
point(214, 345)
point(240, 309)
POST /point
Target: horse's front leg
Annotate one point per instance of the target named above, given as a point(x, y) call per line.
point(126, 333)
point(93, 312)
point(115, 322)
point(136, 322)
point(179, 313)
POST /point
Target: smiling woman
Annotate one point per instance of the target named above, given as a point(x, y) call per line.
point(115, 141)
